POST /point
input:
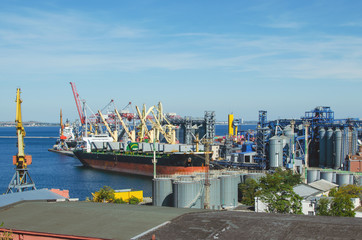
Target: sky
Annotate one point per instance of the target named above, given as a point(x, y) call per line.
point(285, 57)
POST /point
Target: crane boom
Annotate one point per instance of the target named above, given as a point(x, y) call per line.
point(77, 102)
point(132, 137)
point(142, 118)
point(113, 134)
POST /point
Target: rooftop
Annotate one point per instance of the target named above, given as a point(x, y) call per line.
point(88, 219)
point(243, 225)
point(305, 190)
point(323, 185)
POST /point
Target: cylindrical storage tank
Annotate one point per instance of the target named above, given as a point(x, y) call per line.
point(328, 176)
point(329, 148)
point(322, 147)
point(334, 177)
point(288, 132)
point(337, 148)
point(228, 191)
point(242, 177)
point(162, 194)
point(187, 194)
point(351, 179)
point(286, 144)
point(275, 152)
point(312, 175)
point(214, 201)
point(343, 179)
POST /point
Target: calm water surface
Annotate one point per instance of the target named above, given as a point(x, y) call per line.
point(52, 170)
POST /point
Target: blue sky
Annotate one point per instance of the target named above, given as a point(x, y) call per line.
point(238, 57)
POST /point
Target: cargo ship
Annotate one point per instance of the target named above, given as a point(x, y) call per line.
point(137, 158)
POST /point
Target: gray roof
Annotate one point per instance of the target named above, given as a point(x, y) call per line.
point(87, 219)
point(323, 185)
point(305, 191)
point(122, 221)
point(41, 194)
point(242, 225)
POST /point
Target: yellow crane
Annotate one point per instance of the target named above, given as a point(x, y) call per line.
point(131, 134)
point(143, 126)
point(113, 134)
point(21, 180)
point(168, 130)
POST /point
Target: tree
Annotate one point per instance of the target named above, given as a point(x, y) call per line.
point(248, 191)
point(276, 191)
point(351, 191)
point(323, 207)
point(342, 206)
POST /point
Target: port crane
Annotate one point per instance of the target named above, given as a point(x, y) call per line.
point(21, 180)
point(77, 102)
point(131, 134)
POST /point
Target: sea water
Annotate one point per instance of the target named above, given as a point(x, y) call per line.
point(53, 170)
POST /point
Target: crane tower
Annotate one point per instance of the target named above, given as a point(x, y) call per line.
point(21, 180)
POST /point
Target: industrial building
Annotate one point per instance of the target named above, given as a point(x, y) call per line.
point(316, 140)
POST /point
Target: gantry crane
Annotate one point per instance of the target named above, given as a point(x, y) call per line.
point(21, 180)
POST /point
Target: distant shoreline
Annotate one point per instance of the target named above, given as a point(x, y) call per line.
point(29, 124)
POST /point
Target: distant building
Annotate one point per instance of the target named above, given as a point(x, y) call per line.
point(310, 193)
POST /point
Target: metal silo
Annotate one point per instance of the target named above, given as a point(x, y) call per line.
point(342, 179)
point(312, 175)
point(288, 132)
point(275, 152)
point(188, 194)
point(214, 202)
point(242, 177)
point(328, 176)
point(334, 177)
point(228, 191)
point(337, 148)
point(322, 147)
point(351, 179)
point(329, 148)
point(162, 194)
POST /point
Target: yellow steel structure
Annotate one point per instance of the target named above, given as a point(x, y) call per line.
point(143, 130)
point(230, 124)
point(21, 160)
point(168, 130)
point(126, 194)
point(21, 180)
point(131, 134)
point(113, 134)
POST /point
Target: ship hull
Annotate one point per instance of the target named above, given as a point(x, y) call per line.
point(142, 164)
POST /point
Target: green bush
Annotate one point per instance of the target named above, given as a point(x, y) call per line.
point(134, 200)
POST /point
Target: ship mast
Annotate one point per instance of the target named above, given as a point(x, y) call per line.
point(21, 180)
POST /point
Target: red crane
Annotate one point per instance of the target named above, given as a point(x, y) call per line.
point(77, 102)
